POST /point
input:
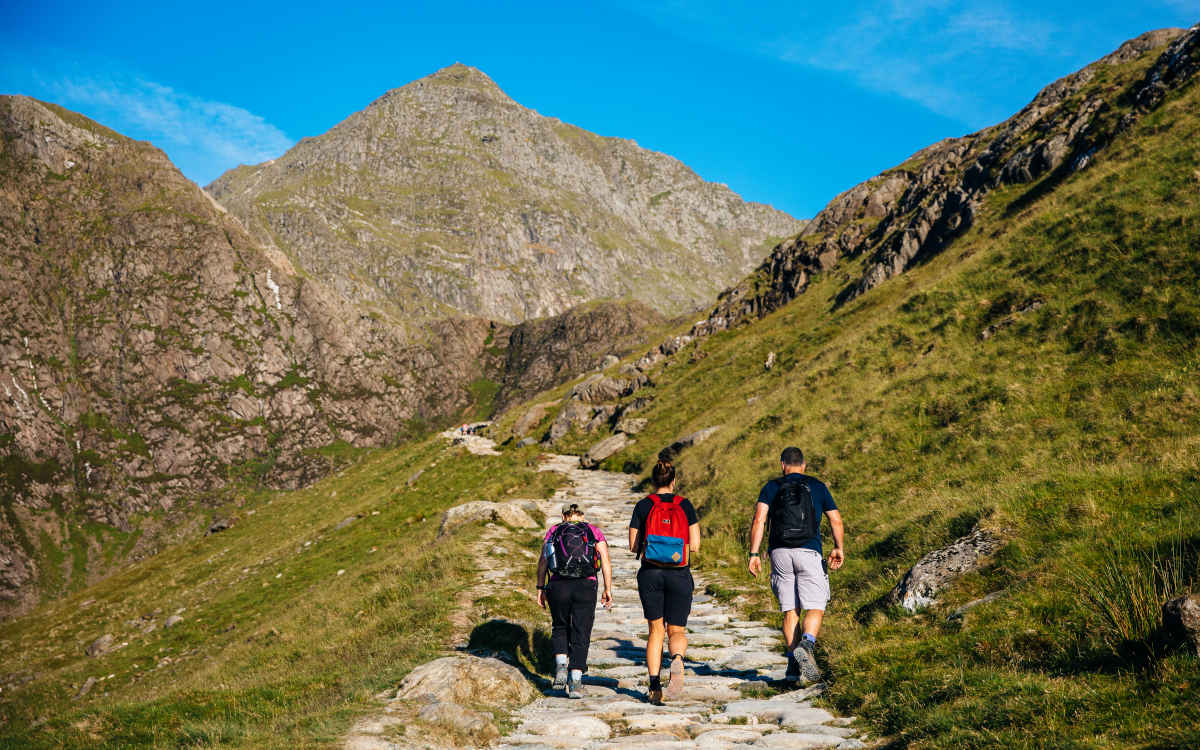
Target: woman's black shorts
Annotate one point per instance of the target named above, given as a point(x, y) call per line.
point(666, 593)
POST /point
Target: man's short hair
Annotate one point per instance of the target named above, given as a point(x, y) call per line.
point(792, 456)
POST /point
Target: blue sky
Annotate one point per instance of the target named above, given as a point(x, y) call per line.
point(788, 103)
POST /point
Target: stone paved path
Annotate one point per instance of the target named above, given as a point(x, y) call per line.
point(727, 659)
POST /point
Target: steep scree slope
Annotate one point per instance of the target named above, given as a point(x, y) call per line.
point(446, 193)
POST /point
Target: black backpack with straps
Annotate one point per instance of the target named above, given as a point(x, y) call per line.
point(794, 520)
point(573, 550)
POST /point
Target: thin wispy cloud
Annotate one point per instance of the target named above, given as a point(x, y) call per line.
point(951, 57)
point(204, 137)
point(922, 51)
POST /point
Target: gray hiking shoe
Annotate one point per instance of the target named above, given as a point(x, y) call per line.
point(560, 678)
point(808, 663)
point(793, 669)
point(574, 688)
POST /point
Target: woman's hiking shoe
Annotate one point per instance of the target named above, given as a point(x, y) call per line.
point(675, 686)
point(654, 696)
point(793, 669)
point(808, 662)
point(574, 688)
point(560, 678)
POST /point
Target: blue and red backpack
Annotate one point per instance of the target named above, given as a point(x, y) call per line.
point(665, 533)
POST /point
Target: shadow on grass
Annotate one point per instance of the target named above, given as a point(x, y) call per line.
point(514, 643)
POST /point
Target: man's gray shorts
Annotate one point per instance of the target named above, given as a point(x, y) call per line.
point(798, 576)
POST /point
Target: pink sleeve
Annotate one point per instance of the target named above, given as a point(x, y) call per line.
point(550, 531)
point(598, 533)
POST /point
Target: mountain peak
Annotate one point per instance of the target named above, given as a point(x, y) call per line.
point(463, 76)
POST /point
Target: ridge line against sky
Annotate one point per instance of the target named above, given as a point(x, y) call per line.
point(784, 104)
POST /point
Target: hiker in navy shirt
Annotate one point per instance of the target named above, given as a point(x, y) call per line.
point(795, 504)
point(665, 587)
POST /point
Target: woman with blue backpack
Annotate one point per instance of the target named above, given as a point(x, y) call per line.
point(664, 531)
point(572, 553)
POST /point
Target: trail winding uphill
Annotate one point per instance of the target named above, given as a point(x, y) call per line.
point(729, 660)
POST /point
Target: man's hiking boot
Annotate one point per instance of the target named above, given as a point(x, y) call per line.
point(808, 662)
point(574, 688)
point(560, 678)
point(675, 686)
point(793, 669)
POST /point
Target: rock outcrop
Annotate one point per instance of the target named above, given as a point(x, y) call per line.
point(914, 211)
point(935, 571)
point(514, 514)
point(542, 353)
point(468, 681)
point(1181, 619)
point(446, 194)
point(607, 447)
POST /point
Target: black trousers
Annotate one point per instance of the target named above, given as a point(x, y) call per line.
point(572, 611)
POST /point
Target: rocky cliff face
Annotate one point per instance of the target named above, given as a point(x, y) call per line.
point(542, 353)
point(150, 350)
point(448, 195)
point(913, 211)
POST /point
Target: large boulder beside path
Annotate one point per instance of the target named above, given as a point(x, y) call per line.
point(935, 571)
point(468, 681)
point(515, 514)
point(603, 449)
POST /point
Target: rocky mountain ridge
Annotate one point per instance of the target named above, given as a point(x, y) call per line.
point(915, 210)
point(151, 351)
point(446, 194)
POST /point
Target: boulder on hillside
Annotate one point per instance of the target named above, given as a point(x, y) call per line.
point(1181, 619)
point(602, 417)
point(632, 425)
point(530, 419)
point(575, 414)
point(603, 449)
point(600, 388)
point(935, 571)
point(101, 645)
point(511, 513)
point(699, 436)
point(468, 680)
point(610, 360)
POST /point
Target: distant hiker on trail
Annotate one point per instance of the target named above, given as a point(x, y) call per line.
point(794, 504)
point(664, 532)
point(572, 553)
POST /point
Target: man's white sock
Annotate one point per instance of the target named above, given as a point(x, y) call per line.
point(576, 675)
point(560, 660)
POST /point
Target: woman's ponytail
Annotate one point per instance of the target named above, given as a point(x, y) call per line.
point(663, 473)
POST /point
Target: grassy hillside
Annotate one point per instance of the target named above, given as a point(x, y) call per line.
point(292, 621)
point(1072, 428)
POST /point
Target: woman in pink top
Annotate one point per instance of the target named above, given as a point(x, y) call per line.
point(572, 553)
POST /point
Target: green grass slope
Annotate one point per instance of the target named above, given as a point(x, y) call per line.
point(1073, 429)
point(292, 621)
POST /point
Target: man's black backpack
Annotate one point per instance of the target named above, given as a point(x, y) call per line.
point(573, 551)
point(794, 521)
